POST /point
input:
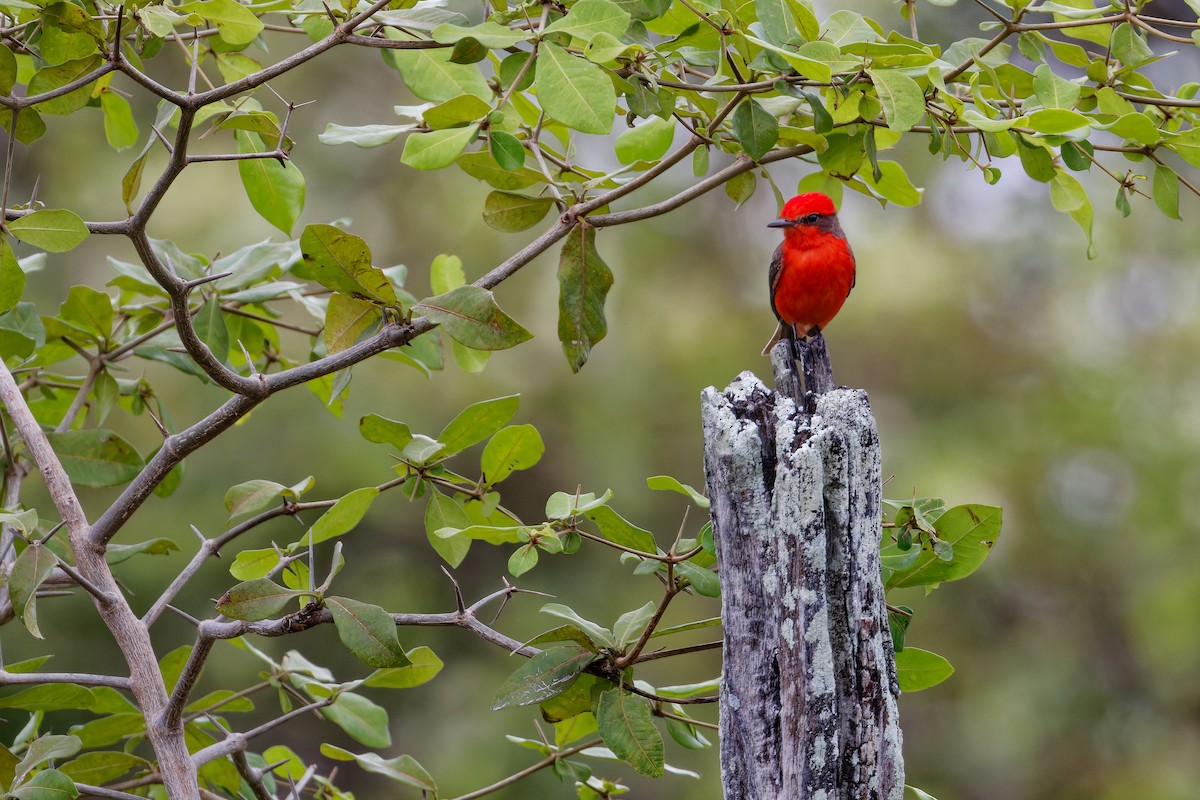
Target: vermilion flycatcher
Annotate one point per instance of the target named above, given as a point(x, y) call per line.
point(812, 272)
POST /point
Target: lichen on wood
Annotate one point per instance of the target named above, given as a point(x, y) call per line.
point(808, 697)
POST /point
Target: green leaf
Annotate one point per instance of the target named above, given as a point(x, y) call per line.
point(512, 448)
point(437, 149)
point(627, 728)
point(1075, 155)
point(898, 626)
point(12, 279)
point(364, 136)
point(587, 18)
point(235, 23)
point(704, 581)
point(741, 187)
point(161, 546)
point(600, 635)
point(574, 91)
point(755, 128)
point(919, 669)
point(365, 721)
point(46, 748)
point(342, 517)
point(522, 560)
point(1066, 193)
point(347, 319)
point(96, 457)
point(256, 599)
point(212, 330)
point(423, 664)
point(583, 283)
point(648, 141)
point(341, 261)
point(902, 98)
point(109, 730)
point(491, 35)
point(8, 78)
point(99, 768)
point(477, 422)
point(120, 129)
point(1036, 160)
point(1129, 46)
point(893, 184)
point(88, 311)
point(629, 626)
point(29, 128)
point(440, 513)
point(250, 564)
point(68, 32)
point(511, 213)
point(367, 631)
point(51, 697)
point(1057, 120)
point(275, 190)
point(431, 76)
point(456, 111)
point(482, 166)
point(53, 230)
point(971, 530)
point(1053, 91)
point(49, 784)
point(402, 769)
point(1137, 127)
point(777, 20)
point(50, 78)
point(543, 676)
point(251, 497)
point(1166, 190)
point(382, 430)
point(507, 150)
point(665, 483)
point(470, 315)
point(31, 568)
point(619, 531)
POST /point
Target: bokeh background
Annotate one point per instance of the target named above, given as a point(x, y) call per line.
point(1003, 366)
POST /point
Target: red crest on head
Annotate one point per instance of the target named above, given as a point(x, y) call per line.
point(807, 203)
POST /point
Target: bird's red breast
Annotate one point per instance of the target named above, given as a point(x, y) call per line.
point(813, 270)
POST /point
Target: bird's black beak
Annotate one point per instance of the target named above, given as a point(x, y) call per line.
point(783, 223)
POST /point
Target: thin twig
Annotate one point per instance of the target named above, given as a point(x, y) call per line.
point(548, 761)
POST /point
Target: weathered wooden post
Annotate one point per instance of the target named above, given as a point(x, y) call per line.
point(808, 694)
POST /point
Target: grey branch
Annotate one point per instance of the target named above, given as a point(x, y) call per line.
point(81, 678)
point(131, 636)
point(236, 742)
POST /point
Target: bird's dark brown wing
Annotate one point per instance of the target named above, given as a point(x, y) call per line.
point(773, 277)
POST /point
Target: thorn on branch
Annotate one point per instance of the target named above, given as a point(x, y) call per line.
point(183, 614)
point(188, 286)
point(165, 141)
point(459, 603)
point(45, 539)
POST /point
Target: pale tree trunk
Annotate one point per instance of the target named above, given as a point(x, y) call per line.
point(808, 694)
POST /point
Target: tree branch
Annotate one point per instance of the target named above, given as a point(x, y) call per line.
point(130, 635)
point(548, 761)
point(236, 742)
point(81, 678)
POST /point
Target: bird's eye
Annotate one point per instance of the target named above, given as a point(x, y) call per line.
point(811, 219)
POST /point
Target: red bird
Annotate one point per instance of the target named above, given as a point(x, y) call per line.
point(812, 272)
